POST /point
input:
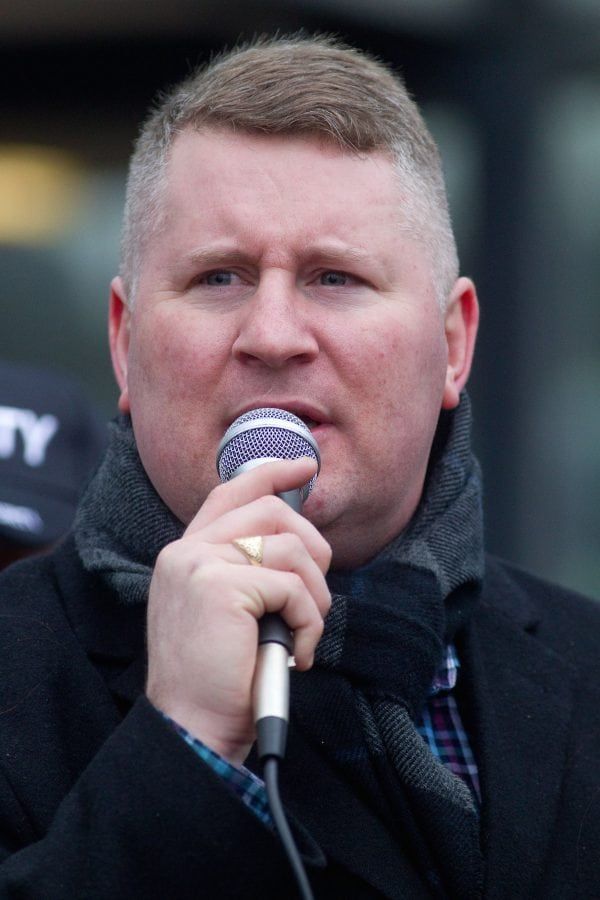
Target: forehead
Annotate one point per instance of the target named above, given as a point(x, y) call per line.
point(218, 177)
point(246, 160)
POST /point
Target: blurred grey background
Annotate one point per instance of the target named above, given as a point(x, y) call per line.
point(511, 90)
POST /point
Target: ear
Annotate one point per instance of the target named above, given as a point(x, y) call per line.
point(462, 319)
point(119, 317)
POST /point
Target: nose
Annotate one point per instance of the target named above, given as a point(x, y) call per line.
point(275, 327)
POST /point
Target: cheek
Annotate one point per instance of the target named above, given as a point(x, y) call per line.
point(398, 363)
point(176, 357)
point(176, 377)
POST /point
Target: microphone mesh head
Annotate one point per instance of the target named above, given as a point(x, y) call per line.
point(265, 433)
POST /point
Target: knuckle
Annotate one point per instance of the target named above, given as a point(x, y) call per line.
point(297, 586)
point(168, 556)
point(319, 628)
point(325, 555)
point(290, 543)
point(273, 505)
point(219, 489)
point(208, 569)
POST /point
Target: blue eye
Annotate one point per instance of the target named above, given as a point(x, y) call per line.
point(334, 279)
point(219, 279)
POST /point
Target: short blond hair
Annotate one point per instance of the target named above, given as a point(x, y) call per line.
point(297, 86)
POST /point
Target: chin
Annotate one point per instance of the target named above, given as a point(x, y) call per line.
point(323, 512)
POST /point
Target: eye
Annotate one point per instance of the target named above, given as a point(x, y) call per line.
point(335, 279)
point(220, 278)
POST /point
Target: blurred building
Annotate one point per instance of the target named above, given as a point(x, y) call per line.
point(511, 91)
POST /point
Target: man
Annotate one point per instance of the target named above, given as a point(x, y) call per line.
point(287, 244)
point(51, 438)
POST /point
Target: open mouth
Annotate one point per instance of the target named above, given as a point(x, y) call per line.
point(310, 423)
point(296, 409)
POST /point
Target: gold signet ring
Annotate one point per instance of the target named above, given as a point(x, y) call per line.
point(252, 548)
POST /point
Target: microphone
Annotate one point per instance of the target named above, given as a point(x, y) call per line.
point(254, 438)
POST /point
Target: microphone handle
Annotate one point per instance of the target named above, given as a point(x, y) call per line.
point(271, 684)
point(293, 499)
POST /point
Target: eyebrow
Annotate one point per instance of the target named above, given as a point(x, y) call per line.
point(216, 255)
point(339, 253)
point(230, 254)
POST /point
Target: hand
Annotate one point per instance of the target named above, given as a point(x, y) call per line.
point(205, 600)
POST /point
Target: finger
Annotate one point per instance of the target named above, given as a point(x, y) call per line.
point(266, 516)
point(284, 552)
point(273, 477)
point(259, 590)
point(287, 553)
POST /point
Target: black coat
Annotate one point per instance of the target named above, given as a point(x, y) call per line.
point(100, 798)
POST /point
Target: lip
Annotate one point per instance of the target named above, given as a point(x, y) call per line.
point(300, 408)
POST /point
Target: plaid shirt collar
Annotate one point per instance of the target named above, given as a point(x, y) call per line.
point(447, 674)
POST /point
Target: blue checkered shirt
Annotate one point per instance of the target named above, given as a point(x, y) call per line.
point(439, 725)
point(241, 780)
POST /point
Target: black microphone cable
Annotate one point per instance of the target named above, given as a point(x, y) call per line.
point(270, 697)
point(271, 772)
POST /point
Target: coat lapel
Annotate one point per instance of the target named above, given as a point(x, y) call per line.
point(521, 702)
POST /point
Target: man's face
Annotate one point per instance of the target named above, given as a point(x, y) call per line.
point(283, 277)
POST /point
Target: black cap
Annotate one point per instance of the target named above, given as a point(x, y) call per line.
point(51, 440)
